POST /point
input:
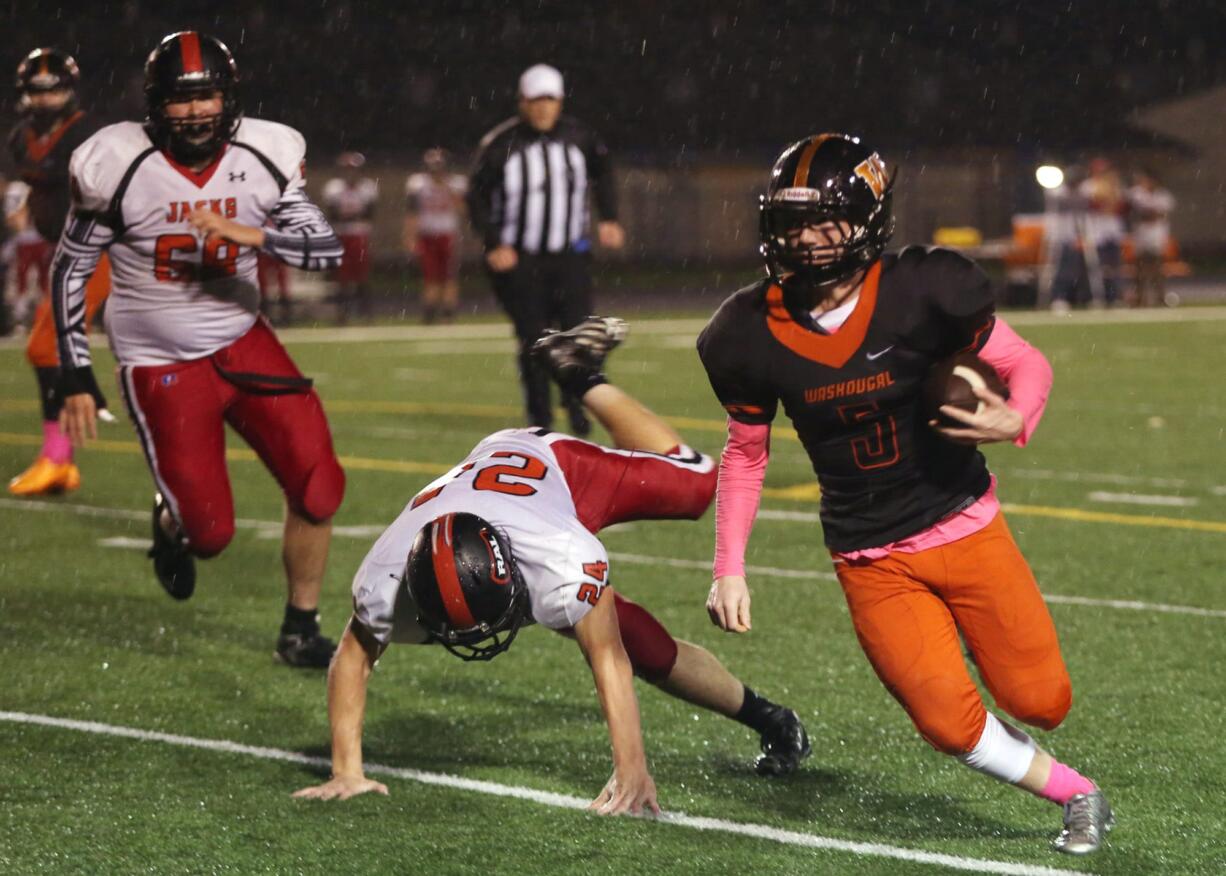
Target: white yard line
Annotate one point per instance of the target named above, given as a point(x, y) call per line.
point(688, 328)
point(1081, 477)
point(1142, 499)
point(1134, 605)
point(268, 528)
point(547, 798)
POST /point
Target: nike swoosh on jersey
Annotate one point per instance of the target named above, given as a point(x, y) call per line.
point(878, 354)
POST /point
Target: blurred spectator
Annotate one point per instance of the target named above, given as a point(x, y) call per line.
point(1063, 228)
point(434, 205)
point(349, 201)
point(528, 198)
point(1150, 207)
point(1104, 230)
point(30, 254)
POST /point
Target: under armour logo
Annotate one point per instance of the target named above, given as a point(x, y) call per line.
point(241, 176)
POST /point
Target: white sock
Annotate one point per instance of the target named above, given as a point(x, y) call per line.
point(1002, 752)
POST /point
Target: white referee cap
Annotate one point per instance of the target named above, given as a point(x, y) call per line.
point(541, 80)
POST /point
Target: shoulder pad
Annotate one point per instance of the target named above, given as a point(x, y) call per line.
point(733, 314)
point(279, 143)
point(915, 255)
point(98, 165)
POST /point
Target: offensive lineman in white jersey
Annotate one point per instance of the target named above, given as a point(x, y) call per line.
point(508, 538)
point(181, 203)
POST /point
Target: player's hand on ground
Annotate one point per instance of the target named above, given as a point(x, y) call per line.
point(634, 793)
point(212, 224)
point(502, 258)
point(728, 604)
point(611, 235)
point(995, 421)
point(79, 418)
point(342, 788)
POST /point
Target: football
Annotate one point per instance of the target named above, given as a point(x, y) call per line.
point(951, 382)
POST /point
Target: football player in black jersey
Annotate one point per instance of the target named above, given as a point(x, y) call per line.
point(52, 126)
point(842, 335)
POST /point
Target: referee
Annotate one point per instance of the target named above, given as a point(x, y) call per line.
point(528, 197)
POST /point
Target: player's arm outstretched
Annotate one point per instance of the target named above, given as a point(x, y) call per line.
point(347, 680)
point(631, 787)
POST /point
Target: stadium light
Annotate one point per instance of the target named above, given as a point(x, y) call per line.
point(1049, 176)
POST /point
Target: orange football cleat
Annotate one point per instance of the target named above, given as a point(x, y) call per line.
point(45, 476)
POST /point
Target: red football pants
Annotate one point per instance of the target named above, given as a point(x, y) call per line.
point(613, 486)
point(436, 253)
point(180, 411)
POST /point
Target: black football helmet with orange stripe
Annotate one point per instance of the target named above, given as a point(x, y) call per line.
point(184, 65)
point(469, 593)
point(830, 180)
point(45, 70)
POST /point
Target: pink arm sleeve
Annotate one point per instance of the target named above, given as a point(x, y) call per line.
point(1026, 372)
point(742, 469)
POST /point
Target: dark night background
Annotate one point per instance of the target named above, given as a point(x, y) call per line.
point(667, 81)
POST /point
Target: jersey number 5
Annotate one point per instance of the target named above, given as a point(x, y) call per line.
point(878, 446)
point(217, 260)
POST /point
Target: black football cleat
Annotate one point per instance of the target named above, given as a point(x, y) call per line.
point(172, 562)
point(305, 650)
point(784, 745)
point(574, 357)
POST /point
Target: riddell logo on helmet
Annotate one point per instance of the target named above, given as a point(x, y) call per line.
point(501, 572)
point(799, 194)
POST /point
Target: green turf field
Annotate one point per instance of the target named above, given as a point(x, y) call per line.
point(86, 634)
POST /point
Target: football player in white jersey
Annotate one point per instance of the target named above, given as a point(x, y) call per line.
point(434, 206)
point(182, 203)
point(508, 538)
point(350, 200)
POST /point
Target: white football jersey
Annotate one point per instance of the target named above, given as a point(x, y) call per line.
point(512, 479)
point(174, 295)
point(351, 207)
point(436, 204)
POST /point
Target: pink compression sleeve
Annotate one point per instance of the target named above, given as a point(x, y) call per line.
point(742, 469)
point(1026, 372)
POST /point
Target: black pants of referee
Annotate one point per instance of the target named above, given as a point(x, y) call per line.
point(549, 290)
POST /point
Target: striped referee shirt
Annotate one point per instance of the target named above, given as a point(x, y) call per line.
point(529, 189)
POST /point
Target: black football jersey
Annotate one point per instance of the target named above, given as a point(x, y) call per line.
point(42, 162)
point(855, 396)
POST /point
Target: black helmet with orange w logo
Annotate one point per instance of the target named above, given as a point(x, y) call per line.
point(831, 182)
point(469, 593)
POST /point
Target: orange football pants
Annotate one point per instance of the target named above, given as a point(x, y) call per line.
point(908, 610)
point(41, 348)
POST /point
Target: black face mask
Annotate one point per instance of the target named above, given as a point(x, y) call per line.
point(190, 141)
